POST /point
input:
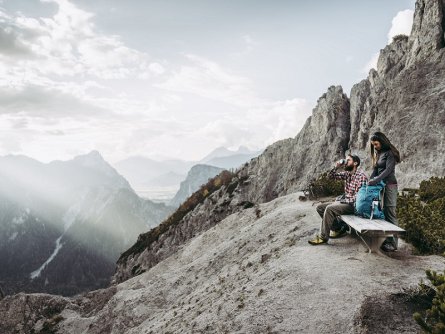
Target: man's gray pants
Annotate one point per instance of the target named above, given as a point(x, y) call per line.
point(329, 212)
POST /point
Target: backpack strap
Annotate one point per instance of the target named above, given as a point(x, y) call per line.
point(382, 198)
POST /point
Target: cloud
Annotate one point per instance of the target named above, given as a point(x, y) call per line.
point(11, 43)
point(67, 44)
point(401, 24)
point(51, 66)
point(256, 128)
point(372, 63)
point(236, 114)
point(208, 79)
point(66, 88)
point(45, 102)
point(249, 45)
point(156, 68)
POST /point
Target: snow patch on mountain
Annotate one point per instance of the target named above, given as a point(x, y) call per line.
point(37, 272)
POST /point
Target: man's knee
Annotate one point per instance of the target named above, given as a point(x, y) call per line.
point(330, 208)
point(321, 209)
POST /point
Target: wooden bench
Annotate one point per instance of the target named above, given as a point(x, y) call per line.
point(376, 229)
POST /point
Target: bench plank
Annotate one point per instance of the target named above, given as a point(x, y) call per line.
point(363, 225)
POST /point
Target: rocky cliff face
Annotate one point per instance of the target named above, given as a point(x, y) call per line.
point(427, 35)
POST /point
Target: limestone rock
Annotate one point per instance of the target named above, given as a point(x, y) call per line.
point(392, 58)
point(22, 313)
point(427, 34)
point(359, 101)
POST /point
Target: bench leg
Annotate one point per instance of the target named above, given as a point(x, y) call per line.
point(376, 243)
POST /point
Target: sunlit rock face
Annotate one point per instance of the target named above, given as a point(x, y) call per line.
point(64, 224)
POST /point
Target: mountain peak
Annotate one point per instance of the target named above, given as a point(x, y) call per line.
point(93, 155)
point(223, 152)
point(92, 159)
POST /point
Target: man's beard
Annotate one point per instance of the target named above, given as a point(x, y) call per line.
point(349, 168)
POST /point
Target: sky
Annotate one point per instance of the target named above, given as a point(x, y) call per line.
point(176, 79)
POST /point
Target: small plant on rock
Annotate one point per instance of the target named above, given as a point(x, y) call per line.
point(433, 321)
point(400, 37)
point(324, 186)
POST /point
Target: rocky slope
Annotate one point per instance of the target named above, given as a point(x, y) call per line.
point(254, 272)
point(197, 175)
point(64, 224)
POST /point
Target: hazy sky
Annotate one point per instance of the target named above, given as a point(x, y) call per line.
point(177, 78)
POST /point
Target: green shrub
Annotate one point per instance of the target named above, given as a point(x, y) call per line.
point(433, 321)
point(423, 217)
point(400, 37)
point(432, 189)
point(324, 186)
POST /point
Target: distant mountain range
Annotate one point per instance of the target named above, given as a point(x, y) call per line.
point(224, 158)
point(152, 178)
point(142, 172)
point(64, 224)
point(197, 176)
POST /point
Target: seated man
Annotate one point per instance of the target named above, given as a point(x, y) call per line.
point(354, 179)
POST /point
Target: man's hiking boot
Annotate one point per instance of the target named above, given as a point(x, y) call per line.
point(318, 240)
point(338, 234)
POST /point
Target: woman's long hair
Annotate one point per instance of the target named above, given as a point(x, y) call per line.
point(386, 145)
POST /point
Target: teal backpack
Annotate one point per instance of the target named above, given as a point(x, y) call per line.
point(369, 201)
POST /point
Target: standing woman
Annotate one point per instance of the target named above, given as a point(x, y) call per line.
point(384, 159)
